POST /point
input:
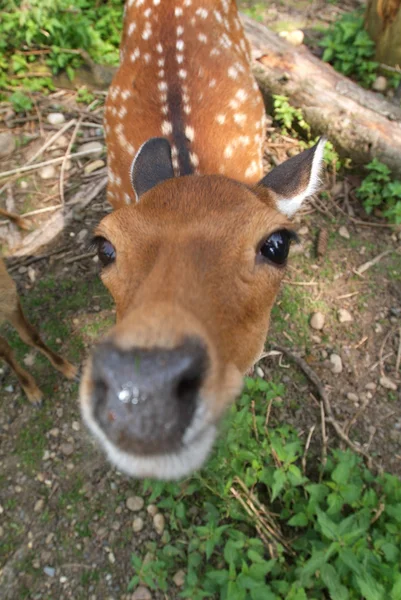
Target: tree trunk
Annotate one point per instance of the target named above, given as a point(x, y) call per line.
point(361, 124)
point(383, 24)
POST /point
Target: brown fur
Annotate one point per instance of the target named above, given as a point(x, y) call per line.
point(11, 311)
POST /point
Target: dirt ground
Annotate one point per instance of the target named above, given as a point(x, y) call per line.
point(68, 521)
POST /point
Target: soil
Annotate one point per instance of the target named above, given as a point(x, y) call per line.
point(65, 528)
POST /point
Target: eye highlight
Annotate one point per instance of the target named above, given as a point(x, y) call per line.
point(276, 247)
point(105, 250)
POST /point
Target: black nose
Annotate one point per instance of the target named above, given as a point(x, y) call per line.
point(144, 399)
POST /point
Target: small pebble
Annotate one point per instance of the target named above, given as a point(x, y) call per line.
point(304, 230)
point(137, 524)
point(47, 172)
point(371, 386)
point(336, 363)
point(159, 523)
point(179, 578)
point(39, 504)
point(67, 449)
point(380, 84)
point(295, 38)
point(141, 593)
point(344, 316)
point(56, 118)
point(344, 233)
point(317, 320)
point(352, 397)
point(93, 166)
point(152, 510)
point(7, 144)
point(135, 503)
point(50, 571)
point(95, 148)
point(259, 372)
point(387, 383)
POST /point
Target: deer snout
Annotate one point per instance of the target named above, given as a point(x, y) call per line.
point(145, 399)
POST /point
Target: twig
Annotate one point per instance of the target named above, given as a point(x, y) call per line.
point(17, 219)
point(51, 141)
point(304, 283)
point(370, 263)
point(324, 439)
point(255, 429)
point(79, 257)
point(350, 295)
point(398, 360)
point(381, 359)
point(329, 417)
point(67, 152)
point(53, 161)
point(308, 441)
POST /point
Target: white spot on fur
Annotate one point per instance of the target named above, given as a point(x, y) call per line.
point(187, 109)
point(232, 72)
point(240, 118)
point(167, 127)
point(212, 83)
point(241, 95)
point(179, 58)
point(180, 30)
point(252, 169)
point(131, 28)
point(202, 38)
point(228, 151)
point(180, 45)
point(221, 119)
point(194, 159)
point(135, 54)
point(182, 74)
point(159, 48)
point(162, 85)
point(202, 13)
point(178, 11)
point(190, 133)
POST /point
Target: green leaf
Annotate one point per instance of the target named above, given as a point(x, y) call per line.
point(279, 482)
point(219, 577)
point(299, 520)
point(328, 527)
point(331, 580)
point(370, 588)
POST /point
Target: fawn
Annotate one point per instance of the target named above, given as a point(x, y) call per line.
point(196, 249)
point(11, 311)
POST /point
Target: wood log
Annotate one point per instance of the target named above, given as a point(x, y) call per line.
point(360, 123)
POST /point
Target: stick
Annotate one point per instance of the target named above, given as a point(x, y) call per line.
point(398, 360)
point(53, 161)
point(329, 417)
point(68, 151)
point(372, 262)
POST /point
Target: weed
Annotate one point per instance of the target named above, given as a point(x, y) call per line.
point(379, 190)
point(343, 543)
point(350, 50)
point(291, 119)
point(84, 95)
point(20, 102)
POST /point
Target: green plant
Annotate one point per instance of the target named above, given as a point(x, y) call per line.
point(57, 30)
point(84, 95)
point(350, 50)
point(333, 532)
point(380, 190)
point(20, 102)
point(291, 119)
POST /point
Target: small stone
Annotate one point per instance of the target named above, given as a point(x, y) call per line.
point(295, 38)
point(387, 383)
point(317, 320)
point(112, 558)
point(137, 524)
point(344, 316)
point(259, 372)
point(55, 432)
point(141, 593)
point(344, 233)
point(371, 386)
point(93, 166)
point(76, 426)
point(94, 148)
point(67, 449)
point(63, 579)
point(135, 503)
point(1, 531)
point(152, 510)
point(380, 84)
point(9, 389)
point(50, 571)
point(56, 118)
point(7, 144)
point(39, 504)
point(47, 172)
point(336, 363)
point(304, 230)
point(179, 578)
point(159, 523)
point(23, 185)
point(31, 274)
point(60, 142)
point(82, 235)
point(352, 397)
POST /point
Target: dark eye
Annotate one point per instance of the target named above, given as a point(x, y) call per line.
point(277, 246)
point(105, 250)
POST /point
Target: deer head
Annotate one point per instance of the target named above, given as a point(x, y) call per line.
point(194, 265)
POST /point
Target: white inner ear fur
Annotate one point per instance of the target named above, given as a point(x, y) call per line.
point(289, 206)
point(132, 170)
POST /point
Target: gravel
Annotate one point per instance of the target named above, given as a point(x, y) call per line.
point(135, 503)
point(317, 320)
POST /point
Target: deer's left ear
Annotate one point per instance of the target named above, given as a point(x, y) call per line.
point(295, 179)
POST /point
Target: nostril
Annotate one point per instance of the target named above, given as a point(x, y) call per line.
point(188, 387)
point(100, 392)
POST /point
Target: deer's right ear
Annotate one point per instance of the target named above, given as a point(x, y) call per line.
point(151, 165)
point(295, 179)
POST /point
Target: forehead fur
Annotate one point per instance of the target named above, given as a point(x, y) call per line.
point(188, 203)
